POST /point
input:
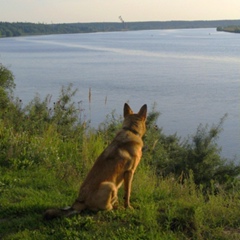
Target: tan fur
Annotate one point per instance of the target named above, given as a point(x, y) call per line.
point(115, 166)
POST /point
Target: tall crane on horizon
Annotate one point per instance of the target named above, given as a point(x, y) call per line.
point(123, 22)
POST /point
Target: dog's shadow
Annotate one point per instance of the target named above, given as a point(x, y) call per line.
point(16, 219)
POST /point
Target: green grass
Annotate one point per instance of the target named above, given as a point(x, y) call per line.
point(181, 189)
point(163, 209)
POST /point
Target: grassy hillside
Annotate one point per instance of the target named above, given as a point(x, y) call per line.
point(181, 189)
point(164, 209)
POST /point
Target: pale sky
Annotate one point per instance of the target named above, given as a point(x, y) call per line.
point(70, 11)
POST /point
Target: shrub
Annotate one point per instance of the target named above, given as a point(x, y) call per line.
point(199, 153)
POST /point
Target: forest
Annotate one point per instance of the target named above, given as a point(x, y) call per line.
point(24, 28)
point(231, 29)
point(182, 189)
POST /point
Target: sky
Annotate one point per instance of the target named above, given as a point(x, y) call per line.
point(71, 11)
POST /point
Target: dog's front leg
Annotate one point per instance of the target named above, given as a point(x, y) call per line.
point(128, 176)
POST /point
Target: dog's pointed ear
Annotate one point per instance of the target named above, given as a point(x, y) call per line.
point(127, 110)
point(143, 111)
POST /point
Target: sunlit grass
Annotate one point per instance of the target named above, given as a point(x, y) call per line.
point(45, 154)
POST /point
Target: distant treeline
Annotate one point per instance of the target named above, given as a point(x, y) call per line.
point(232, 29)
point(22, 29)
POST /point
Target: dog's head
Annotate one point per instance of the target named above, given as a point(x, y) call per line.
point(135, 122)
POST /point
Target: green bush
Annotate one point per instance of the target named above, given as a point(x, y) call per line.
point(199, 153)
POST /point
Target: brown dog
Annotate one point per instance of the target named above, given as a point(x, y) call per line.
point(116, 165)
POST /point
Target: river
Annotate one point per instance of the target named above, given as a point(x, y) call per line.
point(193, 75)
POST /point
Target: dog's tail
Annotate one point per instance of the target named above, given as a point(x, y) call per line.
point(56, 213)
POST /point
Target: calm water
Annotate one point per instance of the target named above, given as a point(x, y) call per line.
point(192, 75)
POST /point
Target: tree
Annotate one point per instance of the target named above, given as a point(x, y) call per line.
point(6, 79)
point(6, 86)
